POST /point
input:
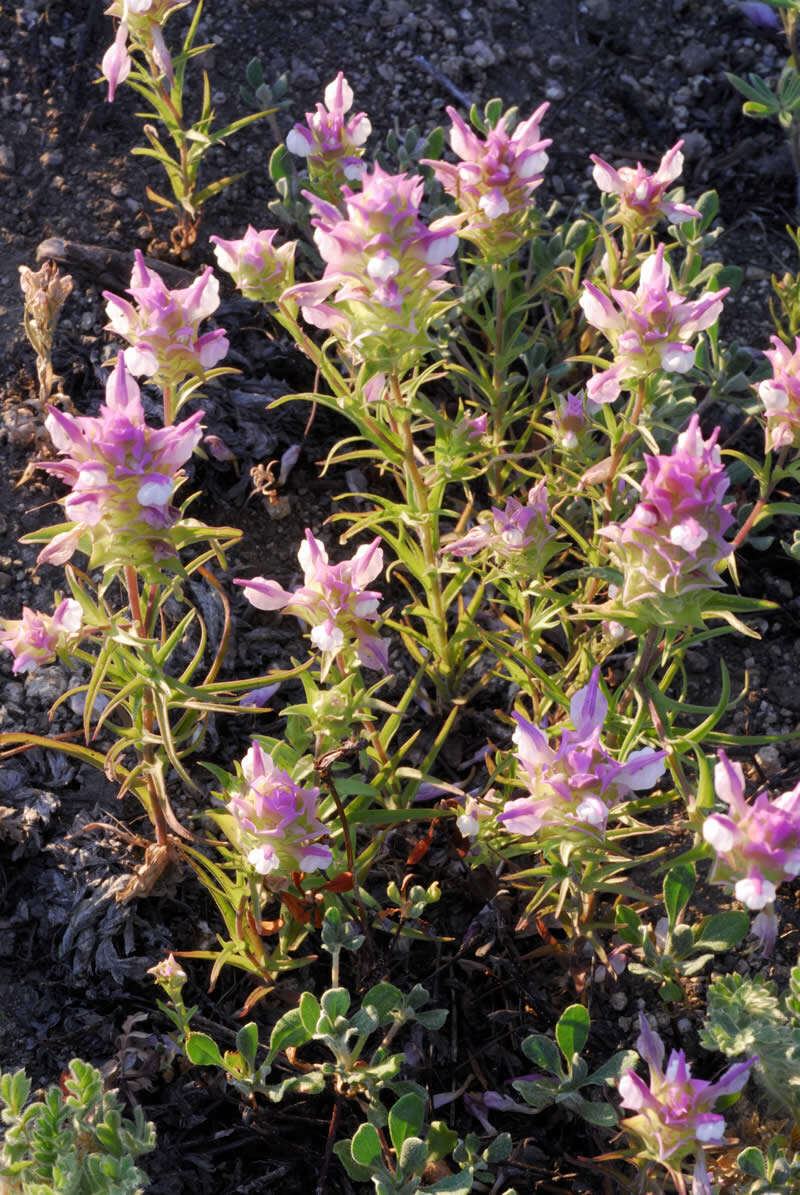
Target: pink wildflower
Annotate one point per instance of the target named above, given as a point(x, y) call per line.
point(276, 820)
point(516, 531)
point(674, 1113)
point(670, 545)
point(122, 474)
point(331, 144)
point(169, 973)
point(494, 181)
point(333, 600)
point(162, 326)
point(756, 846)
point(780, 395)
point(570, 420)
point(260, 271)
point(641, 195)
point(648, 330)
point(36, 638)
point(383, 271)
point(142, 20)
point(575, 785)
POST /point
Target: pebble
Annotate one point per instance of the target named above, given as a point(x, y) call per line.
point(7, 158)
point(618, 1001)
point(769, 759)
point(554, 90)
point(46, 684)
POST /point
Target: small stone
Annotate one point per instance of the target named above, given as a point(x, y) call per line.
point(45, 685)
point(769, 760)
point(5, 62)
point(696, 58)
point(554, 90)
point(7, 158)
point(618, 1001)
point(118, 190)
point(51, 157)
point(5, 580)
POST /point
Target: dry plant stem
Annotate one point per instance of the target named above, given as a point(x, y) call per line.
point(623, 440)
point(148, 717)
point(752, 518)
point(325, 776)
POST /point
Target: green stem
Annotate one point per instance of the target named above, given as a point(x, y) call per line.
point(498, 385)
point(145, 751)
point(418, 496)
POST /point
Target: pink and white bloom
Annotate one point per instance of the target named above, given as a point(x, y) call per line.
point(121, 475)
point(331, 143)
point(756, 846)
point(670, 545)
point(575, 785)
point(648, 330)
point(140, 21)
point(642, 200)
point(494, 180)
point(162, 326)
point(276, 822)
point(333, 600)
point(570, 420)
point(260, 271)
point(518, 531)
point(383, 273)
point(169, 973)
point(36, 638)
point(674, 1114)
point(780, 395)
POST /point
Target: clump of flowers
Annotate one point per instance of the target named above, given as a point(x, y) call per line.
point(518, 534)
point(674, 1114)
point(331, 143)
point(261, 271)
point(36, 638)
point(141, 20)
point(649, 329)
point(121, 474)
point(641, 196)
point(276, 820)
point(333, 600)
point(162, 326)
point(493, 182)
point(670, 545)
point(383, 273)
point(780, 395)
point(756, 846)
point(575, 785)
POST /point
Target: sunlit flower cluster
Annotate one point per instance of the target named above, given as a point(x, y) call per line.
point(641, 196)
point(577, 783)
point(36, 638)
point(331, 143)
point(261, 271)
point(756, 846)
point(142, 20)
point(333, 600)
point(780, 395)
point(383, 273)
point(162, 326)
point(671, 544)
point(276, 820)
point(517, 533)
point(674, 1114)
point(493, 182)
point(649, 329)
point(121, 474)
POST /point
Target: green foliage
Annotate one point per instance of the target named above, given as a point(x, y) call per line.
point(773, 1171)
point(749, 1016)
point(402, 1170)
point(72, 1140)
point(566, 1074)
point(676, 951)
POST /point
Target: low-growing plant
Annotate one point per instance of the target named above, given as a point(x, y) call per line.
point(70, 1140)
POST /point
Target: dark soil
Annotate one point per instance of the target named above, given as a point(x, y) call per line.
point(72, 959)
